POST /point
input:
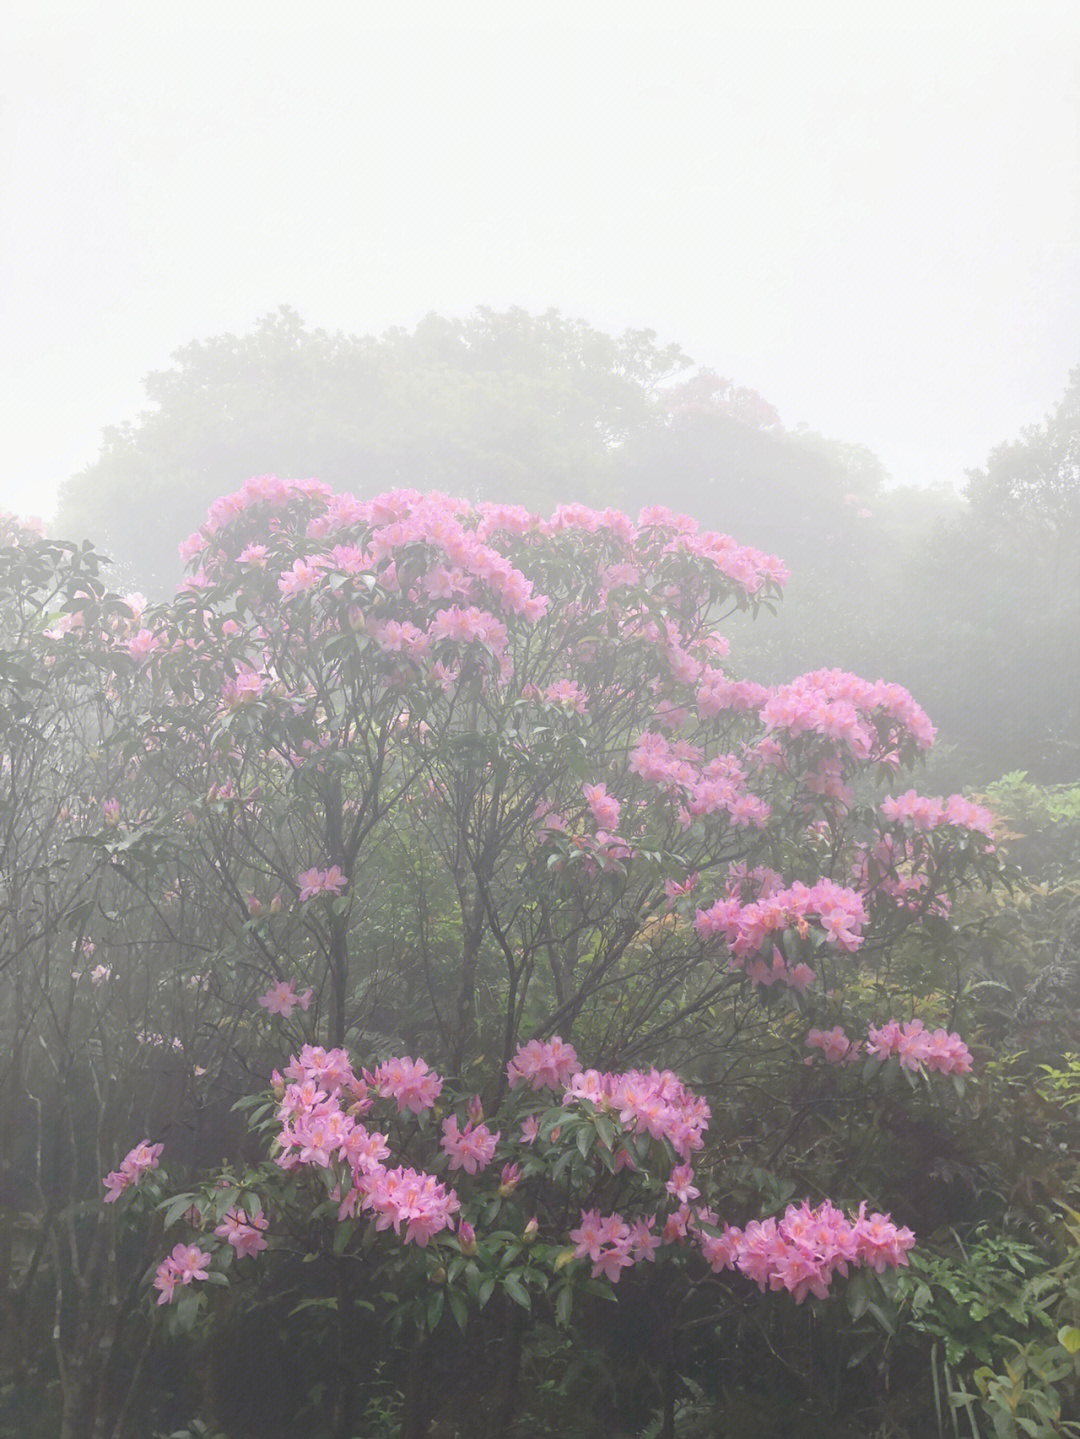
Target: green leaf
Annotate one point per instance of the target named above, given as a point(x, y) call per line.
point(435, 1308)
point(176, 1207)
point(517, 1291)
point(458, 1307)
point(563, 1304)
point(1069, 1338)
point(328, 1303)
point(605, 1129)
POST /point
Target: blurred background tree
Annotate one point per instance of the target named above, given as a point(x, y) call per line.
point(970, 600)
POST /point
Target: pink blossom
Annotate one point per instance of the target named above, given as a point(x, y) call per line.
point(472, 1148)
point(543, 1065)
point(320, 881)
point(142, 645)
point(281, 998)
point(244, 1234)
point(413, 1086)
point(137, 1162)
point(916, 1047)
point(834, 1044)
point(604, 807)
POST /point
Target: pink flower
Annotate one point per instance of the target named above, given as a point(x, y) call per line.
point(544, 1065)
point(133, 1166)
point(281, 998)
point(604, 807)
point(567, 692)
point(320, 881)
point(414, 1086)
point(681, 1184)
point(189, 1262)
point(142, 646)
point(244, 1234)
point(471, 1149)
point(509, 1179)
point(165, 1281)
point(834, 1045)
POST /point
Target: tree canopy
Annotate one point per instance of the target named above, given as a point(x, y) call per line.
point(542, 410)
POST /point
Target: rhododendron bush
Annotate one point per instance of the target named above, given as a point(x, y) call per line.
point(424, 800)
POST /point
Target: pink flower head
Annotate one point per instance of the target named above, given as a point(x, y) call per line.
point(413, 1085)
point(543, 1065)
point(133, 1166)
point(472, 1148)
point(834, 1045)
point(281, 998)
point(604, 807)
point(189, 1262)
point(320, 881)
point(244, 1234)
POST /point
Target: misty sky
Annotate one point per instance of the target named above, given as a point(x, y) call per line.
point(871, 214)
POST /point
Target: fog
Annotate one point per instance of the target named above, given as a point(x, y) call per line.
point(867, 214)
point(553, 627)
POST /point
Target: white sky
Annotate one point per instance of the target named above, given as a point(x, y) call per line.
point(868, 212)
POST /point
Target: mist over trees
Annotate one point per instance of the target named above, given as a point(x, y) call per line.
point(973, 603)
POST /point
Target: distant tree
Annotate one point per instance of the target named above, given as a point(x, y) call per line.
point(1034, 483)
point(534, 408)
point(972, 601)
point(738, 469)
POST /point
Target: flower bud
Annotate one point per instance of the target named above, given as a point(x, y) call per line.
point(474, 1110)
point(531, 1230)
point(467, 1237)
point(510, 1176)
point(275, 904)
point(437, 1276)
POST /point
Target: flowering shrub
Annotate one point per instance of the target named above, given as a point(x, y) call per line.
point(410, 776)
point(629, 1135)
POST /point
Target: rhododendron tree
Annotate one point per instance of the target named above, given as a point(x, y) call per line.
point(367, 716)
point(472, 814)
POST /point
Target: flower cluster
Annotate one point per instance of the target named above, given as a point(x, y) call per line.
point(915, 1045)
point(613, 1245)
point(801, 1251)
point(186, 1263)
point(320, 881)
point(281, 998)
point(834, 1045)
point(471, 1148)
point(543, 1065)
point(839, 911)
point(927, 812)
point(244, 1234)
point(869, 721)
point(715, 786)
point(404, 1196)
point(133, 1166)
point(413, 1085)
point(654, 1102)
